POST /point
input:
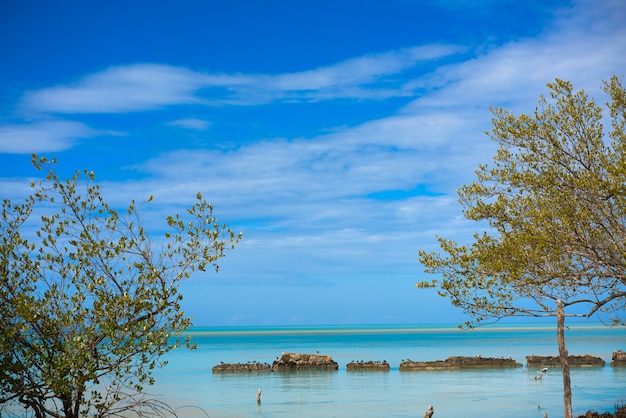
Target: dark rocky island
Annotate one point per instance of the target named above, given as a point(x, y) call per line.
point(295, 361)
point(574, 361)
point(241, 367)
point(620, 412)
point(619, 358)
point(458, 362)
point(368, 365)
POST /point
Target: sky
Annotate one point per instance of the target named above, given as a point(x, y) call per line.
point(332, 133)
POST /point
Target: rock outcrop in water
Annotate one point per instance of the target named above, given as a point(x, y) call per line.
point(619, 413)
point(295, 361)
point(619, 358)
point(368, 365)
point(459, 362)
point(241, 367)
point(574, 361)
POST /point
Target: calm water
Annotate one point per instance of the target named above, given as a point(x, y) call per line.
point(188, 383)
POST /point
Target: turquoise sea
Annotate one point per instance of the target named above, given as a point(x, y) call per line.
point(190, 386)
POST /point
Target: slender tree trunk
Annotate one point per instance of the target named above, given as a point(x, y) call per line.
point(563, 356)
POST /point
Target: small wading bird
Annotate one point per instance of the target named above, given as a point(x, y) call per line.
point(541, 372)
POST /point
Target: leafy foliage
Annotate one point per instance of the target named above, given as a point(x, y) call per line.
point(88, 303)
point(555, 201)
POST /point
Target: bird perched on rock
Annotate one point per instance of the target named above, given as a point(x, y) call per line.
point(429, 412)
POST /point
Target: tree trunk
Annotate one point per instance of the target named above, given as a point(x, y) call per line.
point(563, 357)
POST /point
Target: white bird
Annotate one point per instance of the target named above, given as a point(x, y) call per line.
point(541, 372)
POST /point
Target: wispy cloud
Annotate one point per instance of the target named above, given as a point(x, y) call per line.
point(123, 89)
point(47, 136)
point(510, 73)
point(191, 123)
point(141, 87)
point(363, 77)
point(584, 45)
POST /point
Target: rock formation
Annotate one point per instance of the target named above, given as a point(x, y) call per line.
point(459, 362)
point(295, 361)
point(574, 361)
point(241, 367)
point(368, 365)
point(619, 358)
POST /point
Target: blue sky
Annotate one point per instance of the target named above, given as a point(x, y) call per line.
point(333, 134)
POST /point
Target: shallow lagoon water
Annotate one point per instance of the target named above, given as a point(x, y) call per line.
point(189, 384)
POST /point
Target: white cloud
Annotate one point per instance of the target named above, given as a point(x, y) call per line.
point(362, 70)
point(126, 89)
point(47, 136)
point(141, 87)
point(585, 45)
point(191, 123)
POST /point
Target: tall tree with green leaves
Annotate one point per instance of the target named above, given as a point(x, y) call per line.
point(89, 304)
point(554, 200)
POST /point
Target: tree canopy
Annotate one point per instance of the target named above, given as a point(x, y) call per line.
point(89, 303)
point(555, 202)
